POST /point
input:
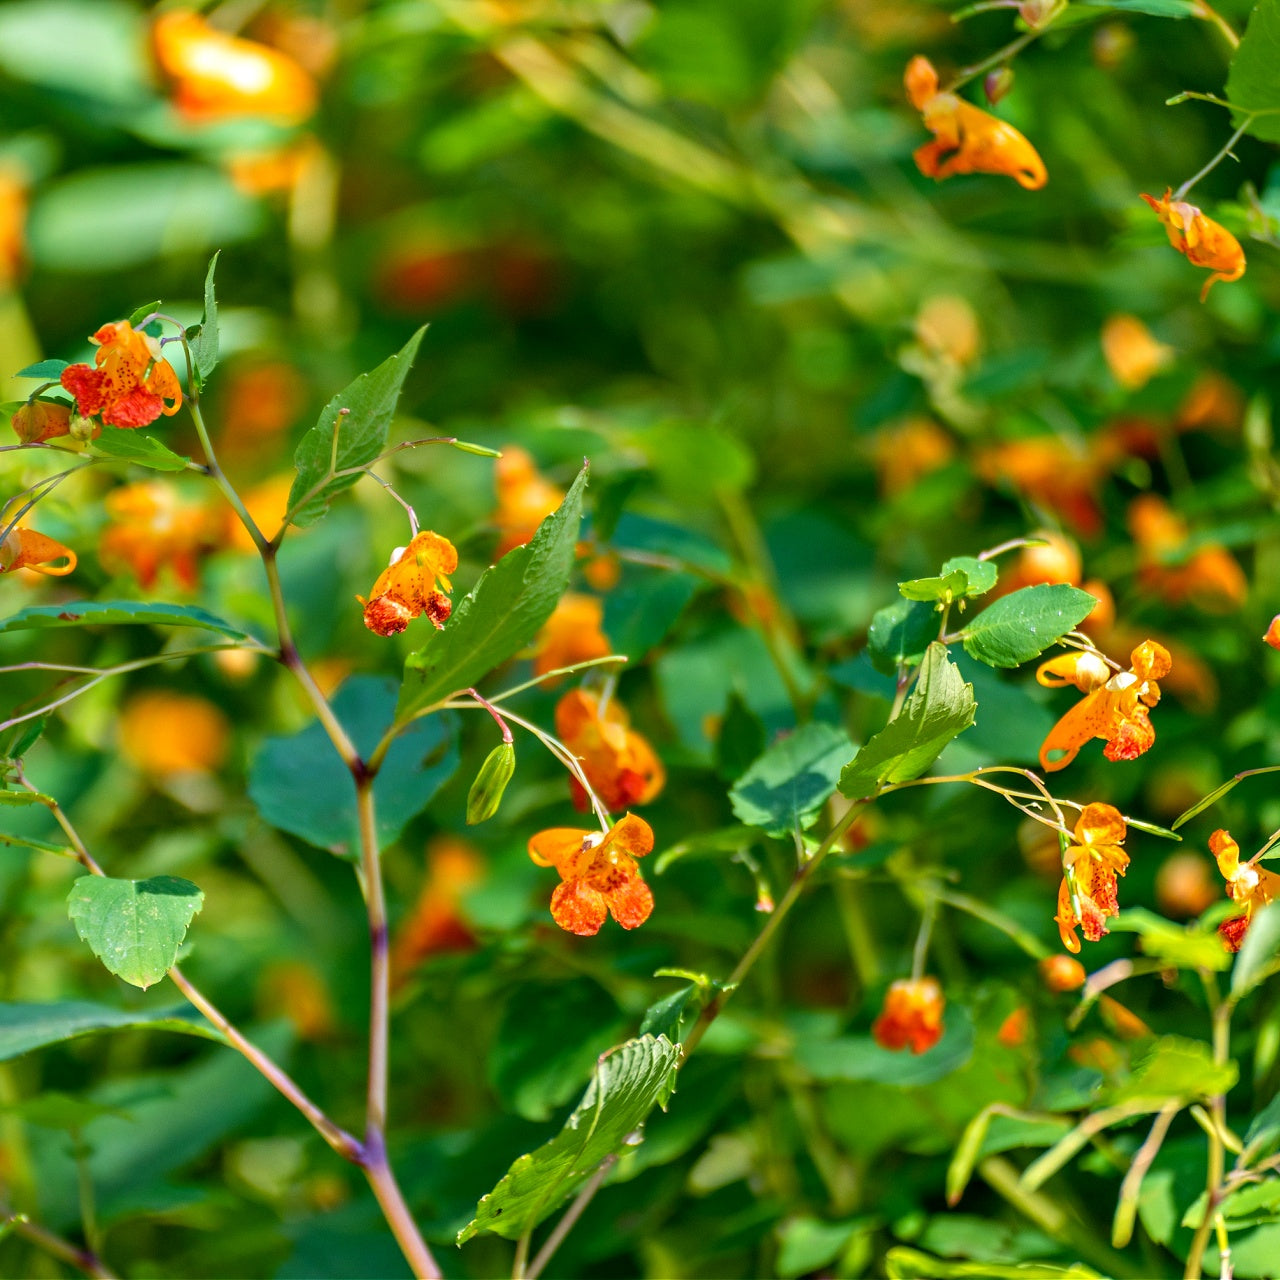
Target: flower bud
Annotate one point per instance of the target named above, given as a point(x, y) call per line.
point(1273, 633)
point(84, 429)
point(486, 791)
point(1039, 13)
point(40, 420)
point(1061, 973)
point(997, 84)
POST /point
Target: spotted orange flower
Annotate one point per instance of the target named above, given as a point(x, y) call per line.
point(1114, 707)
point(130, 384)
point(1248, 885)
point(1200, 240)
point(1132, 354)
point(911, 1016)
point(152, 527)
point(619, 762)
point(219, 77)
point(967, 139)
point(1087, 897)
point(572, 634)
point(27, 549)
point(1210, 577)
point(413, 583)
point(598, 873)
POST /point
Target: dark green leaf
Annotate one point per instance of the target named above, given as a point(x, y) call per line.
point(940, 707)
point(141, 313)
point(24, 1027)
point(500, 615)
point(628, 1083)
point(97, 613)
point(1252, 82)
point(900, 633)
point(1021, 626)
point(788, 785)
point(640, 612)
point(204, 340)
point(16, 741)
point(1257, 955)
point(134, 927)
point(45, 370)
point(349, 434)
point(133, 446)
point(861, 1058)
point(740, 740)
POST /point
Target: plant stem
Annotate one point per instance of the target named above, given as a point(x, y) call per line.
point(1215, 161)
point(1213, 16)
point(82, 1259)
point(571, 1216)
point(1220, 1011)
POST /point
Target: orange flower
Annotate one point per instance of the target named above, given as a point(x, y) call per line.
point(295, 992)
point(1209, 578)
point(599, 874)
point(525, 499)
point(436, 923)
point(1132, 354)
point(912, 1015)
point(13, 222)
point(1115, 707)
point(1013, 1030)
point(572, 634)
point(1272, 636)
point(132, 383)
point(1200, 240)
point(217, 77)
point(1184, 885)
point(1061, 973)
point(1247, 884)
point(908, 451)
point(1090, 866)
point(163, 733)
point(619, 763)
point(965, 138)
point(41, 420)
point(152, 527)
point(1052, 472)
point(27, 549)
point(411, 585)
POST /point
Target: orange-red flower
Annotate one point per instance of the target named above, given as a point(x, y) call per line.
point(13, 222)
point(1272, 636)
point(130, 384)
point(1200, 240)
point(1061, 973)
point(525, 498)
point(1115, 707)
point(619, 762)
point(41, 420)
point(163, 733)
point(27, 549)
point(436, 922)
point(907, 451)
point(218, 77)
point(967, 139)
point(1090, 866)
point(1248, 885)
point(1132, 354)
point(599, 874)
point(1209, 578)
point(413, 583)
point(912, 1015)
point(572, 634)
point(1048, 470)
point(152, 527)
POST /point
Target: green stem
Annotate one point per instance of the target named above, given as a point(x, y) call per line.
point(1001, 55)
point(1220, 1010)
point(1213, 163)
point(82, 1259)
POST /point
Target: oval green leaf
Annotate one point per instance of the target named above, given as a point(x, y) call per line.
point(1021, 626)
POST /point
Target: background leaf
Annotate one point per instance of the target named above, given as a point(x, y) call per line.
point(788, 785)
point(27, 1026)
point(1252, 83)
point(1021, 626)
point(96, 613)
point(204, 346)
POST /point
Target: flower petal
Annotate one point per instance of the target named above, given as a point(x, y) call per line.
point(630, 902)
point(631, 835)
point(578, 908)
point(556, 845)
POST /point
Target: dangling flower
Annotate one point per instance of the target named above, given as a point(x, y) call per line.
point(151, 527)
point(1200, 240)
point(1247, 884)
point(619, 763)
point(1272, 636)
point(967, 139)
point(1087, 897)
point(1209, 578)
point(1115, 707)
point(131, 383)
point(27, 549)
point(1132, 354)
point(912, 1015)
point(413, 583)
point(525, 498)
point(599, 874)
point(572, 634)
point(1061, 973)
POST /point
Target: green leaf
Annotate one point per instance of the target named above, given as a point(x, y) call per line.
point(349, 434)
point(17, 740)
point(500, 614)
point(1252, 83)
point(668, 1016)
point(133, 446)
point(1177, 946)
point(97, 613)
point(902, 1263)
point(24, 1027)
point(628, 1083)
point(788, 785)
point(900, 633)
point(45, 370)
point(1206, 802)
point(1021, 626)
point(1257, 955)
point(861, 1058)
point(809, 1244)
point(139, 314)
point(961, 577)
point(204, 340)
point(300, 784)
point(1263, 1133)
point(134, 927)
point(43, 846)
point(940, 707)
point(52, 1110)
point(1154, 8)
point(1176, 1070)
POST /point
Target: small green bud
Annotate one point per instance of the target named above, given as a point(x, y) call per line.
point(486, 791)
point(478, 449)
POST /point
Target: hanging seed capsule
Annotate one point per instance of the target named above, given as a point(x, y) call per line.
point(486, 791)
point(997, 84)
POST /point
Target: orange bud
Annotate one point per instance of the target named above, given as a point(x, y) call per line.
point(1061, 973)
point(41, 420)
point(1184, 886)
point(1272, 636)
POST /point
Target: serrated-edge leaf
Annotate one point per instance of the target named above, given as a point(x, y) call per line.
point(145, 451)
point(1023, 624)
point(97, 613)
point(628, 1083)
point(1253, 69)
point(982, 574)
point(499, 615)
point(204, 345)
point(947, 586)
point(812, 758)
point(1257, 955)
point(45, 370)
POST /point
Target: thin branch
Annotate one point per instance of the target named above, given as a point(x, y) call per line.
point(571, 1216)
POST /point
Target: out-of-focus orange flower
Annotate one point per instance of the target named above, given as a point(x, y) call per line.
point(292, 990)
point(965, 138)
point(1099, 1054)
point(267, 503)
point(27, 549)
point(1248, 885)
point(908, 451)
point(620, 765)
point(163, 733)
point(151, 527)
point(436, 922)
point(273, 170)
point(1209, 578)
point(1212, 402)
point(572, 634)
point(13, 221)
point(598, 873)
point(1061, 973)
point(1200, 240)
point(1184, 887)
point(1272, 636)
point(260, 401)
point(1087, 896)
point(1049, 471)
point(525, 498)
point(1121, 1020)
point(41, 420)
point(413, 583)
point(911, 1016)
point(1014, 1029)
point(1131, 352)
point(130, 384)
point(218, 77)
point(1115, 707)
point(947, 327)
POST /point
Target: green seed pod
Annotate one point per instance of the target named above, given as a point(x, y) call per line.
point(486, 791)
